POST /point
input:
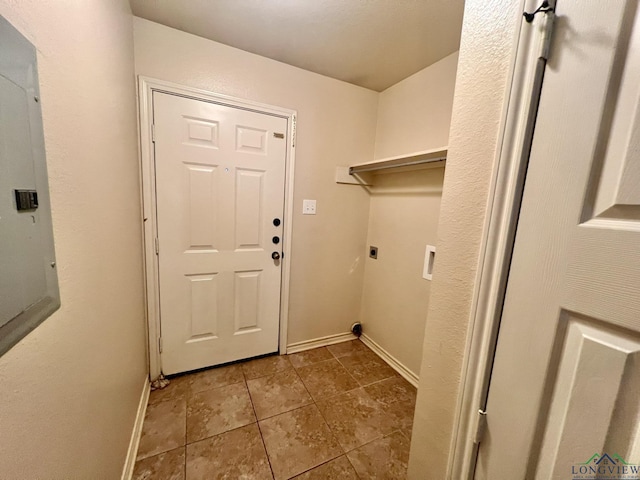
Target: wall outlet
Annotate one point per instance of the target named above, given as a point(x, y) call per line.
point(308, 207)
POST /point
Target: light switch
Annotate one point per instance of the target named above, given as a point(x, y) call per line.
point(308, 207)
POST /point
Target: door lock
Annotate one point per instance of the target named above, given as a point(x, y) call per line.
point(275, 256)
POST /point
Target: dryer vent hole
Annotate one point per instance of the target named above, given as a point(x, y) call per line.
point(356, 329)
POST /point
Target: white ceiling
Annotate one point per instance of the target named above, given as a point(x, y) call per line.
point(371, 43)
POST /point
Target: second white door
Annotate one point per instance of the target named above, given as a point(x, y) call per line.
point(220, 176)
point(564, 396)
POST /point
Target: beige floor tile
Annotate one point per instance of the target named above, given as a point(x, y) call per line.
point(214, 378)
point(163, 428)
point(326, 378)
point(338, 469)
point(402, 415)
point(238, 454)
point(262, 367)
point(391, 390)
point(166, 466)
point(398, 398)
point(310, 357)
point(347, 348)
point(218, 410)
point(177, 389)
point(383, 459)
point(355, 418)
point(367, 367)
point(277, 393)
point(297, 441)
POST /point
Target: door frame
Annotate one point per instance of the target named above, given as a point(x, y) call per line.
point(496, 246)
point(146, 87)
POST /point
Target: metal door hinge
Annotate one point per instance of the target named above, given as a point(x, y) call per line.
point(157, 246)
point(481, 427)
point(153, 132)
point(550, 17)
point(548, 9)
point(545, 7)
point(160, 344)
point(293, 133)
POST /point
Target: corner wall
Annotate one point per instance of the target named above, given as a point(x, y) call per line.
point(413, 115)
point(488, 38)
point(70, 389)
point(335, 127)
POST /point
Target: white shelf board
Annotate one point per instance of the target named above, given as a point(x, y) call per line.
point(409, 160)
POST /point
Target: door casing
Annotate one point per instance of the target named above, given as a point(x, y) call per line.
point(146, 87)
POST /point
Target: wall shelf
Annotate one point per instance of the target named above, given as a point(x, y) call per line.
point(435, 157)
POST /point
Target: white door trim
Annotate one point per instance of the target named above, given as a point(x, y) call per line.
point(496, 247)
point(146, 87)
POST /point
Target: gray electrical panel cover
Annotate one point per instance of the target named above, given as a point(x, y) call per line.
point(28, 272)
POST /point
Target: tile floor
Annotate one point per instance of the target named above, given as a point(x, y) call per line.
point(336, 412)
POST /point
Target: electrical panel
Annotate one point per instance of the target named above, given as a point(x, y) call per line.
point(28, 271)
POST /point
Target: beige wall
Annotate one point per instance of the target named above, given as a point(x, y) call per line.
point(488, 36)
point(70, 389)
point(403, 220)
point(413, 115)
point(336, 126)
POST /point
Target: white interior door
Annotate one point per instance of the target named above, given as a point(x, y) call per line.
point(565, 388)
point(220, 202)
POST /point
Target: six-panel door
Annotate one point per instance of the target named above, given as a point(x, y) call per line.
point(219, 186)
point(564, 400)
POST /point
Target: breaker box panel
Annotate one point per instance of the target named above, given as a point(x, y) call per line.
point(28, 271)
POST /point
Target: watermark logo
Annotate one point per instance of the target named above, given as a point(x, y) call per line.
point(605, 467)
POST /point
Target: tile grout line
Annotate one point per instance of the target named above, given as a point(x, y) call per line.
point(319, 465)
point(264, 445)
point(315, 403)
point(350, 374)
point(188, 394)
point(351, 463)
point(313, 399)
point(346, 452)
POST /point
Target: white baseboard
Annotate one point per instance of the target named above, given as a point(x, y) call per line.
point(320, 342)
point(130, 462)
point(393, 362)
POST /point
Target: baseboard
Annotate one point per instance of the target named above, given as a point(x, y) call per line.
point(130, 462)
point(393, 362)
point(320, 342)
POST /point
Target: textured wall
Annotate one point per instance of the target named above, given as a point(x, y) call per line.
point(70, 390)
point(488, 36)
point(336, 126)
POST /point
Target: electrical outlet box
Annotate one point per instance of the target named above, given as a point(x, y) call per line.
point(429, 259)
point(308, 207)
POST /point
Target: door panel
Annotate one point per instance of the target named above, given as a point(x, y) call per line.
point(219, 185)
point(594, 358)
point(204, 306)
point(566, 378)
point(247, 299)
point(249, 209)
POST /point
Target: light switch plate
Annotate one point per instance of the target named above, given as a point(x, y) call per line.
point(308, 207)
